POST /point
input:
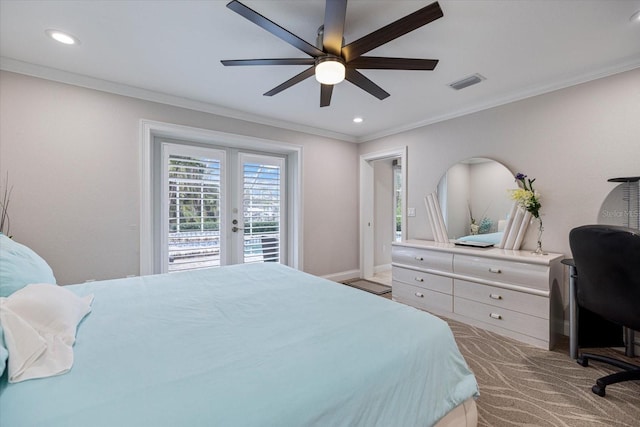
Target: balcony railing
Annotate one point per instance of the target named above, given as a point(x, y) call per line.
point(201, 249)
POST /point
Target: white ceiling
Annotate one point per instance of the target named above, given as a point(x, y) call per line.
point(171, 50)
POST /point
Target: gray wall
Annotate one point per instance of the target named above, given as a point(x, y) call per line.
point(72, 155)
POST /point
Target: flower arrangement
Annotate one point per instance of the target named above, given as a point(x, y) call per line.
point(526, 197)
point(529, 200)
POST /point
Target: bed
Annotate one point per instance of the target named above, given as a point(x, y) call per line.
point(249, 345)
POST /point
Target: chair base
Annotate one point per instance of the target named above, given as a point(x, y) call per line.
point(631, 372)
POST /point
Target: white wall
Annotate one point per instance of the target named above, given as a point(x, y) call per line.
point(72, 155)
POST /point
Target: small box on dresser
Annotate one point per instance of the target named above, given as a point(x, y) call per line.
point(513, 293)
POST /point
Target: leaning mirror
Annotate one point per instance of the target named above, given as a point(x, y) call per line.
point(474, 199)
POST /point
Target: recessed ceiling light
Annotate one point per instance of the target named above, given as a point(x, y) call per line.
point(635, 17)
point(358, 120)
point(62, 37)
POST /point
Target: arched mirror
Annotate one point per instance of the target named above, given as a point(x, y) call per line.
point(474, 199)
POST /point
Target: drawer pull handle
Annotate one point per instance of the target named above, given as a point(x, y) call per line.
point(495, 270)
point(495, 296)
point(495, 316)
point(419, 294)
point(419, 258)
point(419, 279)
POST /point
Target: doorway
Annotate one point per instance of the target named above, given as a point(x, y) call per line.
point(380, 217)
point(250, 213)
point(220, 206)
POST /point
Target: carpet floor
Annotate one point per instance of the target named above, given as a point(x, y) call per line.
point(521, 385)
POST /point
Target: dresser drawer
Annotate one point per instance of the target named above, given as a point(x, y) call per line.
point(423, 280)
point(503, 318)
point(422, 258)
point(503, 298)
point(512, 272)
point(422, 298)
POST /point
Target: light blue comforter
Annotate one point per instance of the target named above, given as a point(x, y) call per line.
point(253, 345)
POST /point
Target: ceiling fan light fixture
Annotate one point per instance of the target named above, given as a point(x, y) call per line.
point(330, 70)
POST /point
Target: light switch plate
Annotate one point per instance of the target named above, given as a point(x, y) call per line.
point(411, 211)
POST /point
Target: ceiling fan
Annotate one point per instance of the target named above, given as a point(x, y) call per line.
point(331, 61)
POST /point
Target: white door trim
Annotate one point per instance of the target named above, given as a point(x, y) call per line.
point(150, 129)
point(366, 204)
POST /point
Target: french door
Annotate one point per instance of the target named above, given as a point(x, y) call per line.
point(220, 206)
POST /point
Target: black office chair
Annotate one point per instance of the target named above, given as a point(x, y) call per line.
point(607, 259)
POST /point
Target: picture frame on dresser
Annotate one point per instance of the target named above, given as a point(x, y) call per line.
point(513, 293)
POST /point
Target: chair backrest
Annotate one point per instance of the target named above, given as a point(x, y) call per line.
point(607, 259)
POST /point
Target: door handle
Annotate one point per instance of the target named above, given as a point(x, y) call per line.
point(235, 228)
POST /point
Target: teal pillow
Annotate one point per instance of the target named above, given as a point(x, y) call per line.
point(20, 266)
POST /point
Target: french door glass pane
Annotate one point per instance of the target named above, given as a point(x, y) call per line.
point(194, 212)
point(262, 209)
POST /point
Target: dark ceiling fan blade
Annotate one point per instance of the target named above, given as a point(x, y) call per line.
point(382, 63)
point(365, 84)
point(293, 80)
point(334, 15)
point(278, 61)
point(274, 29)
point(325, 95)
point(392, 31)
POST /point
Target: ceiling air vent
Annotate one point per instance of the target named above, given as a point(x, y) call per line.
point(467, 81)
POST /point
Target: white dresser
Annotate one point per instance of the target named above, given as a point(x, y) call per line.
point(513, 293)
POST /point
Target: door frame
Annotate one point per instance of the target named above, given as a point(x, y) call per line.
point(367, 186)
point(149, 129)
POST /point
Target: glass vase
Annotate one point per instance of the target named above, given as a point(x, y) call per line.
point(538, 250)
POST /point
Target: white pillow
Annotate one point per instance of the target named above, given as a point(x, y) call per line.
point(39, 323)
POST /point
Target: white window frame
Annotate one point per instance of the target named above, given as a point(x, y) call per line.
point(149, 129)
